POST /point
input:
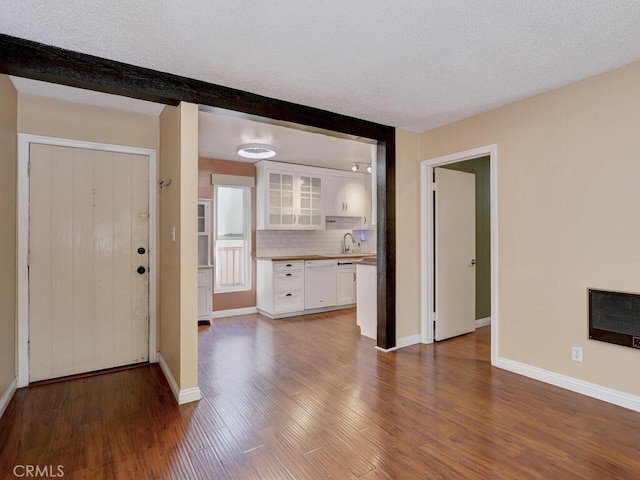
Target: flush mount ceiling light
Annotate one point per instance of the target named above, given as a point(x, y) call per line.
point(256, 150)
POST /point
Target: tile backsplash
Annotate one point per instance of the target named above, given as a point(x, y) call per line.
point(273, 243)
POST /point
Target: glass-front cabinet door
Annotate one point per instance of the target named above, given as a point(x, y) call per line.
point(281, 212)
point(289, 197)
point(310, 215)
point(203, 224)
point(204, 232)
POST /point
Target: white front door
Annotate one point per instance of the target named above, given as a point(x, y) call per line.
point(88, 260)
point(455, 232)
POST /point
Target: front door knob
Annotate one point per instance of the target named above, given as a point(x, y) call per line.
point(141, 270)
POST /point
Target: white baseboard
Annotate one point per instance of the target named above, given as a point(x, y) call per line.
point(7, 396)
point(592, 390)
point(481, 322)
point(402, 343)
point(279, 316)
point(234, 312)
point(407, 341)
point(182, 396)
point(189, 395)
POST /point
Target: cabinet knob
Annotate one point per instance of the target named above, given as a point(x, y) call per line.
point(288, 274)
point(141, 251)
point(141, 270)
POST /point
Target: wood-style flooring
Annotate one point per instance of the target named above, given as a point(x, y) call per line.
point(309, 398)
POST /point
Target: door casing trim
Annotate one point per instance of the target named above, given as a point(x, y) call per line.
point(427, 242)
point(24, 140)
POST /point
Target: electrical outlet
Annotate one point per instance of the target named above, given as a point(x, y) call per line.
point(576, 354)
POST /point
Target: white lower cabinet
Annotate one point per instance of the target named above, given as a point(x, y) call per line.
point(346, 284)
point(205, 294)
point(288, 288)
point(280, 287)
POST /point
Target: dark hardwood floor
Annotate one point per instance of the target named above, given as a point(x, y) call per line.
point(309, 398)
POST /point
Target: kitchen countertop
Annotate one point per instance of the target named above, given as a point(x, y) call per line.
point(337, 256)
point(370, 261)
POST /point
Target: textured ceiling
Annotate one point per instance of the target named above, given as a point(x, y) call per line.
point(220, 135)
point(412, 64)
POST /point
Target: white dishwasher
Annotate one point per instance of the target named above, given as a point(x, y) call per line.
point(319, 283)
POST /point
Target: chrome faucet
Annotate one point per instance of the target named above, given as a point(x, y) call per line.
point(346, 249)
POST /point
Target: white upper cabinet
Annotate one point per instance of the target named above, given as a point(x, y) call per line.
point(346, 195)
point(293, 197)
point(289, 197)
point(365, 221)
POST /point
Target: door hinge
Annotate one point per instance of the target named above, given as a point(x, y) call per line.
point(29, 169)
point(434, 317)
point(433, 187)
point(28, 348)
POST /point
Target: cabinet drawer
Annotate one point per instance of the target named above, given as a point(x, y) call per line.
point(288, 302)
point(288, 266)
point(286, 281)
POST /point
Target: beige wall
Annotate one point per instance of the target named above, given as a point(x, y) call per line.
point(407, 233)
point(178, 316)
point(189, 250)
point(57, 118)
point(8, 268)
point(568, 198)
point(207, 166)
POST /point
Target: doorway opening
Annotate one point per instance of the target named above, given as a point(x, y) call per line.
point(486, 308)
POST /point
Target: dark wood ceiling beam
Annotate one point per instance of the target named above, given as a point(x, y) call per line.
point(34, 60)
point(25, 58)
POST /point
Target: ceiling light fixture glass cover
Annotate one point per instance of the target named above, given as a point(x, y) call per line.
point(256, 150)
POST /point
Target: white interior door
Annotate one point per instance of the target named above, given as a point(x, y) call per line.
point(455, 245)
point(88, 260)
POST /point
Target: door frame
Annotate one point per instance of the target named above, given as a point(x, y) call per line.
point(24, 141)
point(427, 247)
